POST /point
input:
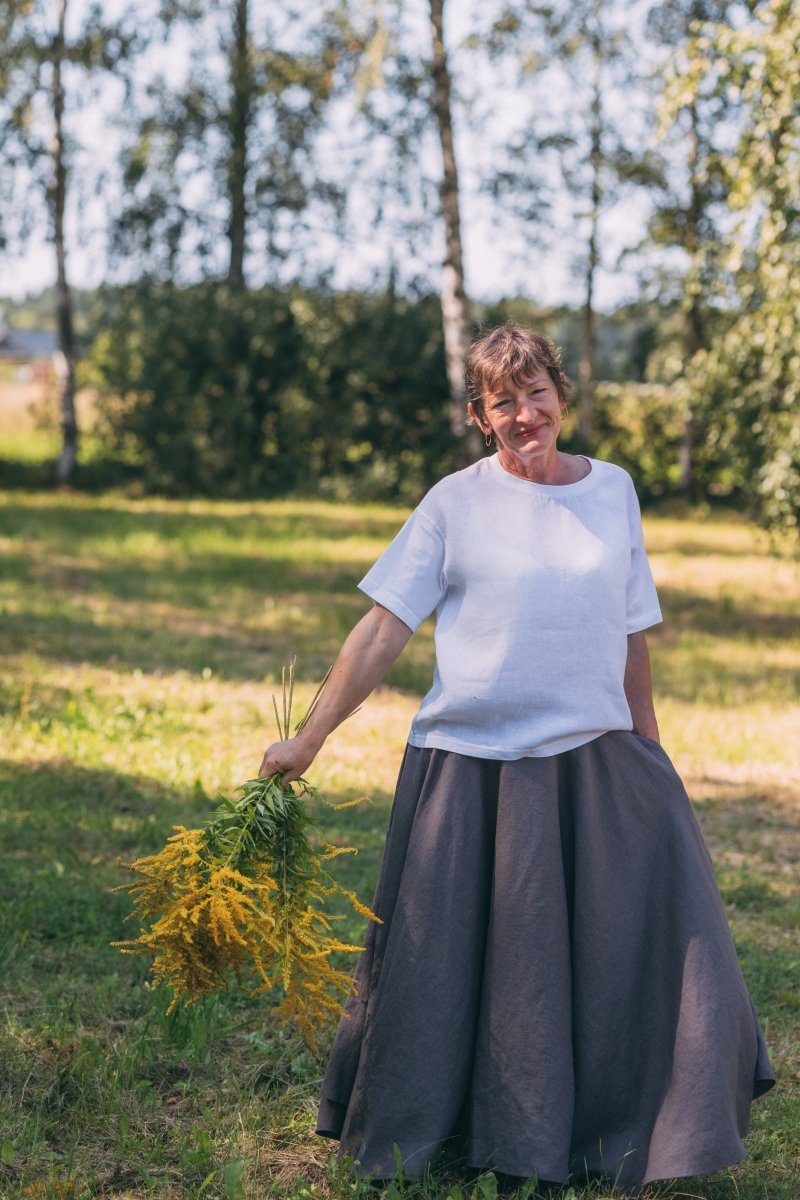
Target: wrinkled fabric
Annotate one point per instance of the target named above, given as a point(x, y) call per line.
point(554, 988)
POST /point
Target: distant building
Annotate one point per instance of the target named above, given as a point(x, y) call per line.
point(25, 346)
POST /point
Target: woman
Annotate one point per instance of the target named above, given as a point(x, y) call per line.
point(554, 985)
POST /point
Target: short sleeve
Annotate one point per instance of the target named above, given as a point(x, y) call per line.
point(643, 609)
point(408, 577)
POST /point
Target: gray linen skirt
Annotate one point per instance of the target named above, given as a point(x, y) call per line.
point(554, 988)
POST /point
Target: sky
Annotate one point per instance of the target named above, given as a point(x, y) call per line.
point(499, 259)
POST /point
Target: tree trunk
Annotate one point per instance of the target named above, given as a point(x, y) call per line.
point(65, 365)
point(693, 330)
point(586, 370)
point(241, 85)
point(586, 383)
point(456, 317)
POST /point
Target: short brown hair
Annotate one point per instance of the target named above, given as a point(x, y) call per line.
point(511, 350)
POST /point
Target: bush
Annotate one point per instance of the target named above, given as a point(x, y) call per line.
point(199, 387)
point(339, 394)
point(639, 426)
point(268, 392)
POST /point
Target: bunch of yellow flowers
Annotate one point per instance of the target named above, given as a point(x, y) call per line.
point(245, 897)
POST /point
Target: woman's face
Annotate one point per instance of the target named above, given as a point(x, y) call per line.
point(524, 417)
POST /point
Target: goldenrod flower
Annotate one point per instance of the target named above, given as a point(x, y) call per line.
point(244, 898)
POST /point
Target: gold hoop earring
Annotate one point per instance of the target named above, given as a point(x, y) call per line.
point(564, 410)
point(487, 437)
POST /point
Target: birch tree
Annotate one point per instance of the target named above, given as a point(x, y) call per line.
point(407, 98)
point(456, 316)
point(44, 70)
point(687, 212)
point(573, 155)
point(220, 166)
point(240, 117)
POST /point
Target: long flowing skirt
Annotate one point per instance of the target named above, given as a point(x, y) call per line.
point(554, 983)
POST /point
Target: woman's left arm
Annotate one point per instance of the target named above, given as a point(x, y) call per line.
point(639, 687)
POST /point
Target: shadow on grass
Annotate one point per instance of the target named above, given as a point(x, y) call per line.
point(64, 829)
point(96, 475)
point(197, 581)
point(162, 642)
point(706, 546)
point(242, 621)
point(726, 684)
point(771, 975)
point(150, 644)
point(174, 601)
point(722, 617)
point(175, 522)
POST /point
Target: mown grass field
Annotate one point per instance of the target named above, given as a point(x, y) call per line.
point(141, 642)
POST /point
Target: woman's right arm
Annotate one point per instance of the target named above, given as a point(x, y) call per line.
point(368, 652)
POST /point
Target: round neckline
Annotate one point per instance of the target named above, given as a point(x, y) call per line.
point(549, 489)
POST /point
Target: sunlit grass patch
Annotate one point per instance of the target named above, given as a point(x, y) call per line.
point(155, 584)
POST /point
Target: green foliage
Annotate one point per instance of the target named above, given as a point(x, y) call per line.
point(31, 48)
point(219, 150)
point(691, 185)
point(212, 390)
point(745, 388)
point(339, 394)
point(638, 426)
point(208, 390)
point(200, 388)
point(381, 389)
point(233, 1177)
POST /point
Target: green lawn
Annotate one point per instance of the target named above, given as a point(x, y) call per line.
point(141, 642)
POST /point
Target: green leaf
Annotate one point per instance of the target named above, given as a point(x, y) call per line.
point(233, 1175)
point(486, 1186)
point(529, 1189)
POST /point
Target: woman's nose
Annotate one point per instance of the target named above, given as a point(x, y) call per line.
point(525, 409)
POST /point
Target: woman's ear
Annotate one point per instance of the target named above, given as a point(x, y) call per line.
point(475, 418)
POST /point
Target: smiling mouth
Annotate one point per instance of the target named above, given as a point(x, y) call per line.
point(532, 432)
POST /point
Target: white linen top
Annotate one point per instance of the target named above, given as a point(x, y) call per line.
point(535, 589)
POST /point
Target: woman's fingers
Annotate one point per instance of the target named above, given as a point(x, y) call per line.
point(273, 761)
point(288, 758)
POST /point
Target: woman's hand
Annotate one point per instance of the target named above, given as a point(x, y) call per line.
point(639, 687)
point(368, 652)
point(291, 759)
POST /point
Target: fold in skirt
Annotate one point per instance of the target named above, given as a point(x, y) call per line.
point(554, 989)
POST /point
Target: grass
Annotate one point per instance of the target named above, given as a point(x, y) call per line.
point(141, 641)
